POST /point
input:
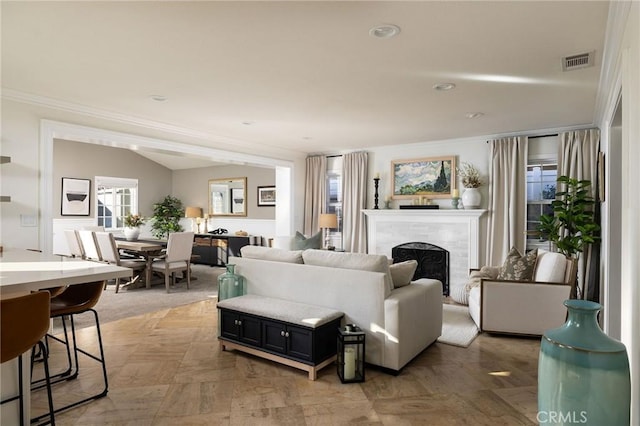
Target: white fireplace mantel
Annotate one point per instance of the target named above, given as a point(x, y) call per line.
point(457, 231)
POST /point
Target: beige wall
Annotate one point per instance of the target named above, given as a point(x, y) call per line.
point(191, 186)
point(86, 161)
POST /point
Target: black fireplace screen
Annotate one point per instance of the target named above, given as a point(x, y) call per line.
point(433, 261)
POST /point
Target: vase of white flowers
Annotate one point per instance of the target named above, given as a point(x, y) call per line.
point(471, 180)
point(132, 223)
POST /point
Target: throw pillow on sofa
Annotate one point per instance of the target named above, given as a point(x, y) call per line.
point(360, 261)
point(300, 242)
point(517, 267)
point(273, 254)
point(402, 272)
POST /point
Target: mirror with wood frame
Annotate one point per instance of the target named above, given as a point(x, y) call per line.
point(228, 197)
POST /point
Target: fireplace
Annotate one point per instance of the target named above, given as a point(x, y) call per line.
point(433, 261)
point(457, 231)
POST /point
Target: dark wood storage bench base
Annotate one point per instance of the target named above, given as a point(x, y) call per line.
point(294, 334)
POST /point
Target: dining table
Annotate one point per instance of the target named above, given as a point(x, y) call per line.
point(23, 271)
point(148, 250)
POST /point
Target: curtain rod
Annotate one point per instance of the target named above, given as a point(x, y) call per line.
point(539, 136)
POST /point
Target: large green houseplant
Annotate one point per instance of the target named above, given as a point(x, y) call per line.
point(571, 227)
point(166, 217)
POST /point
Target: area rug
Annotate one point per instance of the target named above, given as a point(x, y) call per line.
point(458, 329)
point(137, 301)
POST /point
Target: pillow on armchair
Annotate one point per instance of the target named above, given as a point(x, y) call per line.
point(460, 293)
point(517, 267)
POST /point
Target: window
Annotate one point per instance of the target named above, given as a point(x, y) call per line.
point(541, 191)
point(116, 198)
point(334, 197)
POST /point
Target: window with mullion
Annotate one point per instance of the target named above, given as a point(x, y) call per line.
point(333, 190)
point(116, 198)
point(541, 191)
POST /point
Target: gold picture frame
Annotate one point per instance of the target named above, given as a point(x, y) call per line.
point(433, 177)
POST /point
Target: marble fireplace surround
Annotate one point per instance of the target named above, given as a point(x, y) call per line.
point(457, 231)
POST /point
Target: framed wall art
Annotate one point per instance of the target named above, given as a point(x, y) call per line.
point(266, 196)
point(76, 197)
point(237, 201)
point(431, 177)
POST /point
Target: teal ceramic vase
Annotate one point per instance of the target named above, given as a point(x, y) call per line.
point(583, 374)
point(230, 284)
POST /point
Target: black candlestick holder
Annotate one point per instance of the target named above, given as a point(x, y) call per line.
point(376, 183)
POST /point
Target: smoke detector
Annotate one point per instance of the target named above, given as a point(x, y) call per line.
point(574, 62)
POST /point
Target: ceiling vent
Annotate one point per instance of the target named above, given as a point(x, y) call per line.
point(574, 62)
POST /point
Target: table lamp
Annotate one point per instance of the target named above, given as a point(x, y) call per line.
point(193, 213)
point(328, 221)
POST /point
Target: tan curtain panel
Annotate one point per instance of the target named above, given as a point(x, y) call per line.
point(354, 200)
point(507, 198)
point(315, 192)
point(578, 159)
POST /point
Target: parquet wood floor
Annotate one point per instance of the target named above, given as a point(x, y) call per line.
point(166, 368)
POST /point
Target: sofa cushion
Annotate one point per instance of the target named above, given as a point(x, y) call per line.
point(300, 242)
point(402, 272)
point(274, 254)
point(550, 267)
point(359, 261)
point(517, 267)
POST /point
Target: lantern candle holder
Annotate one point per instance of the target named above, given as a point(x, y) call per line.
point(350, 356)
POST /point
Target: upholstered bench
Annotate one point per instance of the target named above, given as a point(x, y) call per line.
point(291, 333)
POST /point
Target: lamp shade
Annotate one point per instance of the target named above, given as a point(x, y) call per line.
point(193, 212)
point(328, 220)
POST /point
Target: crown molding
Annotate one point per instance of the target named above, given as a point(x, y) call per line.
point(610, 69)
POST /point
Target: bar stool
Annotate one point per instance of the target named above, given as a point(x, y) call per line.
point(75, 300)
point(24, 321)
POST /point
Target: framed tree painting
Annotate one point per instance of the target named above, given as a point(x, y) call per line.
point(266, 196)
point(431, 177)
point(76, 197)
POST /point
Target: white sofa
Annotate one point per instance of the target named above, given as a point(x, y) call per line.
point(525, 307)
point(399, 323)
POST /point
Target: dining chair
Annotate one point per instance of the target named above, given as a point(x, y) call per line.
point(176, 259)
point(73, 243)
point(88, 241)
point(109, 251)
point(94, 228)
point(75, 300)
point(24, 321)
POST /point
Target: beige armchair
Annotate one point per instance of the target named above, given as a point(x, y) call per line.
point(525, 307)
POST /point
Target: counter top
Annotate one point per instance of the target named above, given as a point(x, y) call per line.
point(22, 271)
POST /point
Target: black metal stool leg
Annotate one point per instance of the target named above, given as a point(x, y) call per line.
point(100, 359)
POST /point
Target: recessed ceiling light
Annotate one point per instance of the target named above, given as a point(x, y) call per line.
point(158, 98)
point(384, 31)
point(474, 114)
point(444, 86)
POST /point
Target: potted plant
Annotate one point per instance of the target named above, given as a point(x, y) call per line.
point(166, 217)
point(572, 226)
point(132, 223)
point(471, 180)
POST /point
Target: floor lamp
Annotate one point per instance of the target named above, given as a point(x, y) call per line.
point(328, 221)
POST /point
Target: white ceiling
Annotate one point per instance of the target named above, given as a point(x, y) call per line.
point(270, 78)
